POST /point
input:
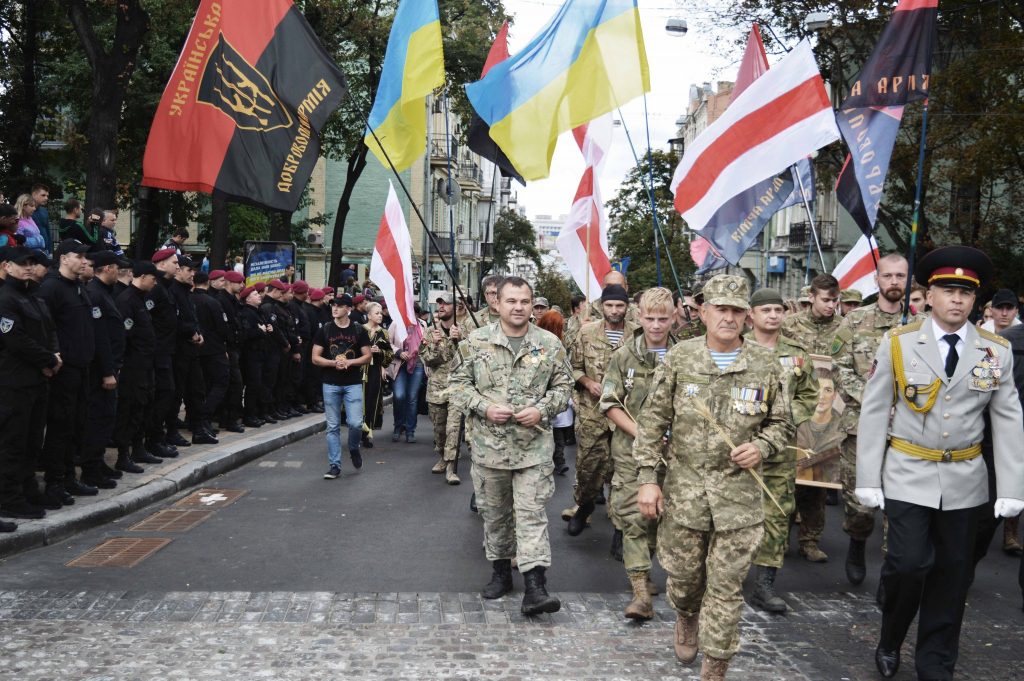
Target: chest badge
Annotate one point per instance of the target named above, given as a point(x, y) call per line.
point(96, 313)
point(628, 382)
point(149, 304)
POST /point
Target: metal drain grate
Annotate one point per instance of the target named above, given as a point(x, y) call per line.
point(171, 520)
point(210, 497)
point(119, 552)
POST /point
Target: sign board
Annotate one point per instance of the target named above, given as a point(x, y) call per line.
point(267, 260)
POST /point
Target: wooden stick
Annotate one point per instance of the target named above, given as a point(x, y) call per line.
point(705, 412)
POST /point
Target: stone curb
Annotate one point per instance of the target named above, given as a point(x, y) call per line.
point(223, 458)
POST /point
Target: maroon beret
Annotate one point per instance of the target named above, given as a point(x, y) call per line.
point(245, 292)
point(163, 254)
point(279, 285)
point(260, 286)
point(300, 287)
point(316, 294)
point(234, 277)
point(216, 274)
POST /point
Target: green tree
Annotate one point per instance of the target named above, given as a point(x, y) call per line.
point(557, 288)
point(514, 236)
point(632, 232)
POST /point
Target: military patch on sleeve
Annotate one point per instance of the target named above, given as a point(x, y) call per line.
point(97, 313)
point(843, 335)
point(149, 304)
point(465, 351)
point(6, 324)
point(128, 324)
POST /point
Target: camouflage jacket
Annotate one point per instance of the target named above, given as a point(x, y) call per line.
point(437, 357)
point(703, 488)
point(627, 385)
point(853, 352)
point(590, 354)
point(683, 330)
point(572, 327)
point(815, 335)
point(799, 384)
point(485, 372)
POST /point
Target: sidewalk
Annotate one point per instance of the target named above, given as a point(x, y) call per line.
point(193, 465)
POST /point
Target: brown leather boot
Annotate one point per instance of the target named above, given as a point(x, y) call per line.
point(439, 466)
point(450, 476)
point(652, 588)
point(1011, 536)
point(713, 669)
point(641, 607)
point(686, 638)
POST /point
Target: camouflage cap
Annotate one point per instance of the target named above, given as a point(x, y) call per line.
point(805, 295)
point(851, 295)
point(727, 289)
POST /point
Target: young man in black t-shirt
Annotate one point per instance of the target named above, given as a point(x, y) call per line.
point(340, 349)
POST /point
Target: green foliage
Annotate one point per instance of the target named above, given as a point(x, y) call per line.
point(514, 236)
point(632, 231)
point(557, 288)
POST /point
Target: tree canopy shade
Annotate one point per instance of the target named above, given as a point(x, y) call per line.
point(514, 237)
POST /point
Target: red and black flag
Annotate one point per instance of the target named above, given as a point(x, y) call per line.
point(241, 114)
point(479, 137)
point(897, 72)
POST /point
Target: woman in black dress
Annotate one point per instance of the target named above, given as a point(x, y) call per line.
point(381, 355)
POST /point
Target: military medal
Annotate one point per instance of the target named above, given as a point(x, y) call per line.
point(628, 382)
point(910, 392)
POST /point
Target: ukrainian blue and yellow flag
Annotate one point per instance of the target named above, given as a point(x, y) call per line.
point(413, 68)
point(588, 60)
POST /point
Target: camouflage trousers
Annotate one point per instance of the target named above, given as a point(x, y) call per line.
point(780, 478)
point(593, 459)
point(859, 520)
point(705, 575)
point(512, 505)
point(447, 422)
point(639, 535)
point(810, 502)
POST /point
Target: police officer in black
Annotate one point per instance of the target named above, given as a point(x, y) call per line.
point(304, 332)
point(277, 351)
point(188, 377)
point(225, 287)
point(165, 324)
point(256, 346)
point(73, 315)
point(213, 353)
point(312, 388)
point(292, 357)
point(101, 405)
point(135, 390)
point(28, 359)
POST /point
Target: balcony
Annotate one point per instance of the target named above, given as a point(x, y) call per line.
point(470, 176)
point(800, 237)
point(486, 249)
point(439, 151)
point(506, 185)
point(467, 248)
point(443, 242)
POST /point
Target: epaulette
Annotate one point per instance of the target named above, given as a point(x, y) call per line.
point(994, 337)
point(907, 328)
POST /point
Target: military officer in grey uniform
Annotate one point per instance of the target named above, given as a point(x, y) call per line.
point(937, 377)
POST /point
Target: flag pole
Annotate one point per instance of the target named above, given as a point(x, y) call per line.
point(912, 249)
point(650, 193)
point(451, 210)
point(810, 216)
point(415, 208)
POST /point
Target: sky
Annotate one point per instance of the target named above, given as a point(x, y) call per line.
point(675, 63)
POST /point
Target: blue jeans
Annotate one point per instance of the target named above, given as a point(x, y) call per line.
point(406, 393)
point(352, 396)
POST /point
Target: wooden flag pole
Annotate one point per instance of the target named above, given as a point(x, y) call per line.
point(912, 249)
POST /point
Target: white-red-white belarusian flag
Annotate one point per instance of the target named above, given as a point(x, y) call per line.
point(586, 220)
point(391, 266)
point(781, 118)
point(857, 269)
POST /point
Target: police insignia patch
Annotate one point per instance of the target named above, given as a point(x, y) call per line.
point(6, 324)
point(149, 304)
point(225, 315)
point(96, 313)
point(128, 324)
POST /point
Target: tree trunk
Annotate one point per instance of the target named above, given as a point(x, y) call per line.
point(219, 232)
point(356, 165)
point(280, 225)
point(21, 144)
point(147, 204)
point(111, 72)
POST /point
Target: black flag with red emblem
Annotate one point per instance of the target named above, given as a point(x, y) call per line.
point(241, 114)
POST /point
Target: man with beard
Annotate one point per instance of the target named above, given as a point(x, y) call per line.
point(437, 349)
point(853, 354)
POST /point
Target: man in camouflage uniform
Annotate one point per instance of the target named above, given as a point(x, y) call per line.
point(437, 350)
point(853, 353)
point(626, 388)
point(814, 328)
point(850, 299)
point(511, 378)
point(574, 322)
point(800, 388)
point(490, 289)
point(596, 310)
point(710, 506)
point(590, 353)
point(687, 322)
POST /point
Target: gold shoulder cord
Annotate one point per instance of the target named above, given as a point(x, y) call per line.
point(932, 390)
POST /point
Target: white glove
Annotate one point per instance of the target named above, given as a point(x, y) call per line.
point(871, 497)
point(1009, 508)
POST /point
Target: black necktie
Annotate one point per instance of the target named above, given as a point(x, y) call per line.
point(952, 357)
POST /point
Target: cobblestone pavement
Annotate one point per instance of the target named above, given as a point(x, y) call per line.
point(322, 635)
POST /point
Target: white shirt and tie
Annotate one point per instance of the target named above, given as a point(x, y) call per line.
point(945, 345)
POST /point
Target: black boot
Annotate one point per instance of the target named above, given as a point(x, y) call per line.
point(536, 599)
point(144, 455)
point(472, 504)
point(764, 596)
point(855, 568)
point(617, 545)
point(175, 438)
point(501, 580)
point(109, 472)
point(125, 463)
point(578, 522)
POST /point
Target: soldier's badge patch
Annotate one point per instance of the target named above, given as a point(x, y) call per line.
point(6, 324)
point(97, 313)
point(149, 304)
point(128, 324)
point(691, 389)
point(837, 345)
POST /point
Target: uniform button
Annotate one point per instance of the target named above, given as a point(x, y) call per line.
point(945, 435)
point(946, 415)
point(948, 398)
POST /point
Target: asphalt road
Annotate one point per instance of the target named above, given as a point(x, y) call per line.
point(390, 527)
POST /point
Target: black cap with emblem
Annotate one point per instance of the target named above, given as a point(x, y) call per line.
point(961, 266)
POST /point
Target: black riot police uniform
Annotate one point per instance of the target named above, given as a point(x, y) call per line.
point(276, 353)
point(256, 346)
point(188, 377)
point(212, 354)
point(165, 325)
point(135, 390)
point(231, 407)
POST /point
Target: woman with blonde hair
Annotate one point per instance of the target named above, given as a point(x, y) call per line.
point(381, 354)
point(26, 206)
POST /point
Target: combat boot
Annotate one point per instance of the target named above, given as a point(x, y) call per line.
point(713, 668)
point(685, 642)
point(764, 596)
point(125, 463)
point(536, 600)
point(652, 588)
point(578, 521)
point(813, 553)
point(440, 466)
point(450, 476)
point(1011, 540)
point(855, 568)
point(641, 607)
point(501, 580)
